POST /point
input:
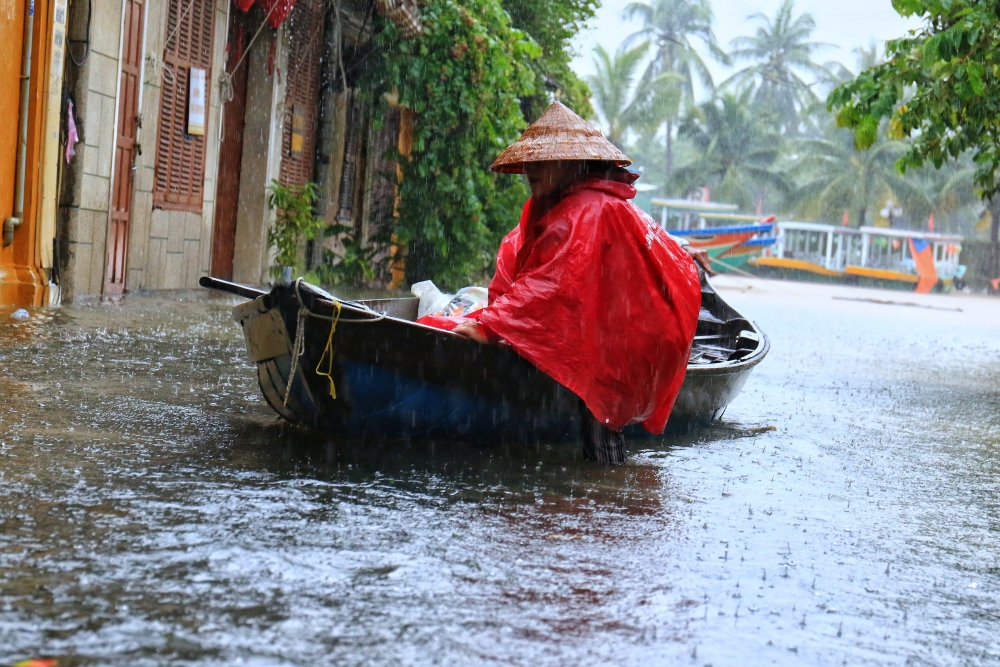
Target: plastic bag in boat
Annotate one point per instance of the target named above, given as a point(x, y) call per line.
point(431, 298)
point(466, 303)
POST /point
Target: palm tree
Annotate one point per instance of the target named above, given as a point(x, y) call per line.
point(623, 105)
point(842, 178)
point(780, 53)
point(673, 25)
point(738, 151)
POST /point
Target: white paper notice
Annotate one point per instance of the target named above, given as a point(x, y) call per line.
point(196, 102)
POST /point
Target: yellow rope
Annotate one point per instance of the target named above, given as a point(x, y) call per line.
point(328, 350)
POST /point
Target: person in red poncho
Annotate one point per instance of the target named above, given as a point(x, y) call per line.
point(588, 287)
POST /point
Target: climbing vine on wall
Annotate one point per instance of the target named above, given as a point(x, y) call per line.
point(463, 79)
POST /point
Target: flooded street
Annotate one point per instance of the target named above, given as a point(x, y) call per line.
point(845, 511)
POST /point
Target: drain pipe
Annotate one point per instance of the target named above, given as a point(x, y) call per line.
point(13, 222)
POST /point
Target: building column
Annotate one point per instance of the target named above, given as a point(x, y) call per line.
point(84, 199)
point(261, 162)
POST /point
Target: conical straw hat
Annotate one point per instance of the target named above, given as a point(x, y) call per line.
point(558, 135)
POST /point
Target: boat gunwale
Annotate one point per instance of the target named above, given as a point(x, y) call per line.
point(720, 368)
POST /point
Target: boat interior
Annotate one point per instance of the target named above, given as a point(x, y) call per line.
point(723, 335)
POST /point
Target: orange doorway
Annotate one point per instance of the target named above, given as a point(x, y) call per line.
point(11, 36)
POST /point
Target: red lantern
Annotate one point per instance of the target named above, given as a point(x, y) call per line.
point(277, 11)
point(243, 5)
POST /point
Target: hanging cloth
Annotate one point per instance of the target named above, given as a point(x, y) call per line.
point(923, 261)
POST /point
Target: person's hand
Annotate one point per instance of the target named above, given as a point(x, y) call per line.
point(702, 258)
point(471, 329)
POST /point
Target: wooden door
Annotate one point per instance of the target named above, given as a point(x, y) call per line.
point(126, 149)
point(227, 194)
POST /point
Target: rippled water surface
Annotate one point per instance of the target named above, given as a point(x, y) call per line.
point(153, 511)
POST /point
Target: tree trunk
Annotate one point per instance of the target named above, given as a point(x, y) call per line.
point(861, 217)
point(670, 154)
point(994, 206)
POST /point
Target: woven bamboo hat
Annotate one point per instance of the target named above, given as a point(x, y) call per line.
point(558, 135)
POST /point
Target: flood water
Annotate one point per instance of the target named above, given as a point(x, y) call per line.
point(845, 511)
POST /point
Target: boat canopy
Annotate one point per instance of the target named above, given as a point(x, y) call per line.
point(735, 217)
point(692, 206)
point(689, 210)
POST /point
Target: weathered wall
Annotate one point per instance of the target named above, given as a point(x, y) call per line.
point(172, 249)
point(84, 202)
point(167, 249)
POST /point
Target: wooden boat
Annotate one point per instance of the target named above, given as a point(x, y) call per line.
point(738, 255)
point(366, 367)
point(716, 241)
point(728, 237)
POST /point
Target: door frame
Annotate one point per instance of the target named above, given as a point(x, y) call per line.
point(118, 288)
point(236, 20)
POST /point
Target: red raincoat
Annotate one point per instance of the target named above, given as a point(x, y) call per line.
point(596, 295)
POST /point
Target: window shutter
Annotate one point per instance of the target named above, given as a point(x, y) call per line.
point(180, 158)
point(298, 141)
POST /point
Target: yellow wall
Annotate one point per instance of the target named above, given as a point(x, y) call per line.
point(22, 282)
point(11, 34)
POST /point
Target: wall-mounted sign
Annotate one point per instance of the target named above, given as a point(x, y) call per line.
point(196, 102)
point(298, 129)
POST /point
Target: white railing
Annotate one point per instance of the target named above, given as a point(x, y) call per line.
point(834, 247)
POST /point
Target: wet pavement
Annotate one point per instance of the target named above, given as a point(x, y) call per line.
point(153, 511)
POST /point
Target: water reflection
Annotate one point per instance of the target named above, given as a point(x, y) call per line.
point(153, 510)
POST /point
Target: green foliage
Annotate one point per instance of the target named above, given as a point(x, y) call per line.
point(552, 24)
point(294, 223)
point(938, 87)
point(622, 104)
point(462, 79)
point(770, 136)
point(355, 265)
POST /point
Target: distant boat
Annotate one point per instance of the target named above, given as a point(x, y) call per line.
point(737, 256)
point(718, 241)
point(704, 224)
point(395, 377)
point(875, 256)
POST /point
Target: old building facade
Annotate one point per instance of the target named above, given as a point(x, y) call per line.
point(168, 121)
